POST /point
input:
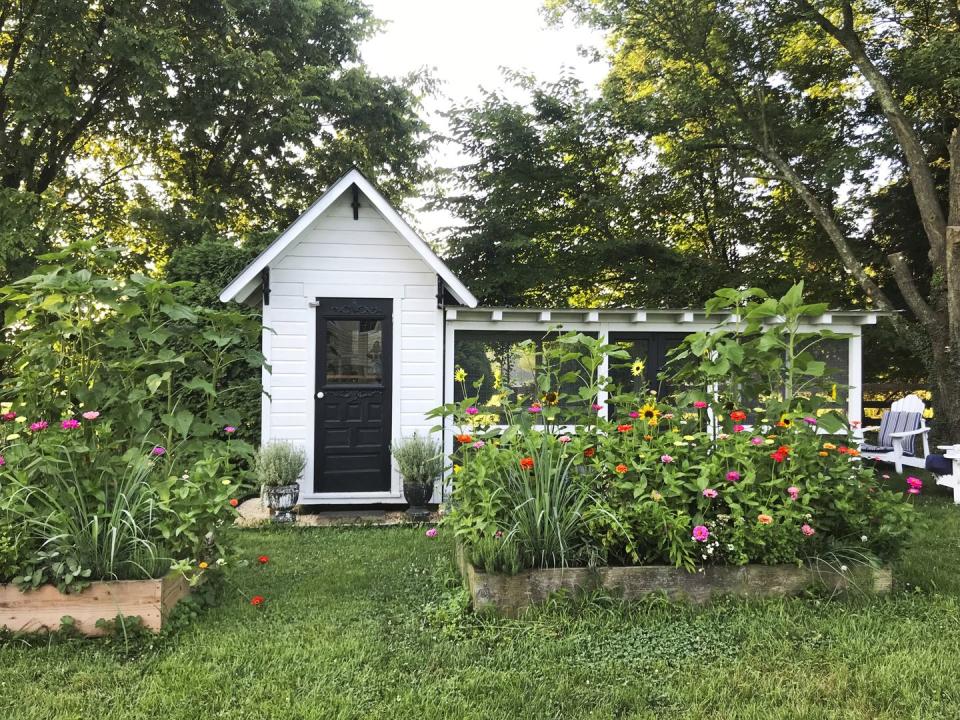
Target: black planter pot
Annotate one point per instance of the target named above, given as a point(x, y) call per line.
point(418, 495)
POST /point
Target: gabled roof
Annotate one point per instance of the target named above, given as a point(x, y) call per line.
point(246, 282)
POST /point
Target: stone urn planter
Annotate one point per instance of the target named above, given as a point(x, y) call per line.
point(418, 494)
point(281, 499)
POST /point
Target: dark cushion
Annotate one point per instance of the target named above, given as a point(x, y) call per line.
point(876, 448)
point(939, 465)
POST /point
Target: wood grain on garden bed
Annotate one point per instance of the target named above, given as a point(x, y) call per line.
point(43, 609)
point(509, 595)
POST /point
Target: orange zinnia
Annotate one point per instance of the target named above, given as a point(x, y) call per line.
point(823, 453)
point(526, 463)
point(738, 416)
point(621, 468)
point(648, 437)
point(764, 519)
point(589, 452)
point(624, 428)
point(463, 439)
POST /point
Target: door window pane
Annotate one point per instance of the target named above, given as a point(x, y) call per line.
point(355, 352)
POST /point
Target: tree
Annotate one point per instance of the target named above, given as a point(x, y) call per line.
point(818, 98)
point(156, 124)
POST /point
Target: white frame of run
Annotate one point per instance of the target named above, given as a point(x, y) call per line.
point(605, 322)
point(952, 481)
point(910, 403)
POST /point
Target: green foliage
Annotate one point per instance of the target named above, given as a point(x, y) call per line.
point(419, 459)
point(686, 481)
point(280, 463)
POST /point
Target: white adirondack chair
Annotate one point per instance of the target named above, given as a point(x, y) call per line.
point(946, 468)
point(899, 430)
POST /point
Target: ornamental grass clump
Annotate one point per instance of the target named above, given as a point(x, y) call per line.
point(419, 459)
point(280, 463)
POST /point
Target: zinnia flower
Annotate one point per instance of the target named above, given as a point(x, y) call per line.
point(432, 532)
point(738, 428)
point(621, 468)
point(478, 444)
point(234, 502)
point(701, 533)
point(710, 493)
point(39, 425)
point(794, 492)
point(597, 407)
point(624, 428)
point(589, 452)
point(666, 459)
point(526, 463)
point(764, 519)
point(807, 530)
point(203, 565)
point(463, 438)
point(229, 429)
point(263, 559)
point(158, 450)
point(70, 424)
point(257, 600)
point(2, 461)
point(756, 441)
point(9, 416)
point(738, 416)
point(829, 446)
point(914, 485)
point(634, 414)
point(535, 408)
point(564, 439)
point(733, 476)
point(471, 410)
point(91, 415)
point(810, 420)
point(699, 404)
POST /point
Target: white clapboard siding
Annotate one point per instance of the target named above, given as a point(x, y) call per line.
point(338, 256)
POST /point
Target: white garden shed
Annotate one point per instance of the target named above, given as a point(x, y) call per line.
point(364, 324)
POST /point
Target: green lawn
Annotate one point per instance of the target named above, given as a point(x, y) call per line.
point(344, 634)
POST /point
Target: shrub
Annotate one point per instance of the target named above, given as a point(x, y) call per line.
point(682, 480)
point(280, 463)
point(419, 459)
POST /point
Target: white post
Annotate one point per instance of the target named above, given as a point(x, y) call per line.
point(855, 376)
point(604, 371)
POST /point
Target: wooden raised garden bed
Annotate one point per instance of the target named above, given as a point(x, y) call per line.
point(43, 609)
point(509, 595)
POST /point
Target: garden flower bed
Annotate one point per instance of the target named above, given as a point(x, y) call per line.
point(45, 608)
point(739, 482)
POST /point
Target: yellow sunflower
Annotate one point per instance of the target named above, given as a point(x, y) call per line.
point(638, 367)
point(650, 413)
point(551, 398)
point(459, 374)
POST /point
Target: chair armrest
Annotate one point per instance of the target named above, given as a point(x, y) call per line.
point(908, 433)
point(872, 428)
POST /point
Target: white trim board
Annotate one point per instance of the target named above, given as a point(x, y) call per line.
point(247, 281)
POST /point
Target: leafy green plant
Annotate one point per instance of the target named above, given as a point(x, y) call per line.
point(280, 463)
point(419, 459)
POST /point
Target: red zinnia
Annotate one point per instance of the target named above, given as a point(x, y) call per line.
point(234, 502)
point(258, 600)
point(463, 439)
point(263, 559)
point(589, 452)
point(843, 449)
point(526, 463)
point(738, 416)
point(624, 428)
point(778, 456)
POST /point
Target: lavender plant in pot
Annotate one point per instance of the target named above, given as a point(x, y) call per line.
point(279, 467)
point(420, 463)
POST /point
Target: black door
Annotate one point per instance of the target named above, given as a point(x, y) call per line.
point(352, 438)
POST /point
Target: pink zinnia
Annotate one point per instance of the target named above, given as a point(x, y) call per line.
point(733, 476)
point(810, 420)
point(807, 530)
point(91, 415)
point(39, 425)
point(914, 484)
point(478, 444)
point(597, 407)
point(70, 424)
point(793, 491)
point(229, 429)
point(471, 410)
point(2, 461)
point(158, 450)
point(564, 439)
point(738, 428)
point(710, 493)
point(432, 532)
point(700, 533)
point(634, 414)
point(699, 404)
point(9, 416)
point(668, 416)
point(534, 409)
point(756, 441)
point(666, 459)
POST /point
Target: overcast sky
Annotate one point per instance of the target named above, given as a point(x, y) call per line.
point(466, 44)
